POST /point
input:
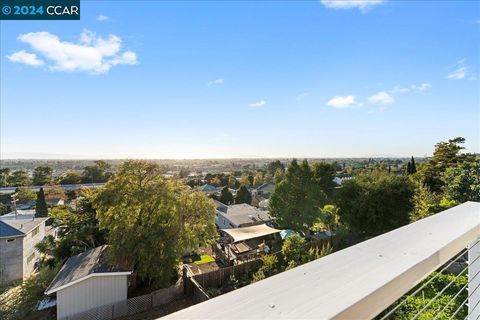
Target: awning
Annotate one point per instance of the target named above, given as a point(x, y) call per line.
point(241, 234)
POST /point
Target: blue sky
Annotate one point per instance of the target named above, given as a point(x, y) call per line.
point(151, 79)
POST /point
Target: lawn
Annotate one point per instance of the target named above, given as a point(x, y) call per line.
point(205, 258)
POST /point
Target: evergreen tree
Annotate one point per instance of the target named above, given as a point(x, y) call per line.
point(226, 196)
point(243, 196)
point(41, 205)
point(409, 168)
point(413, 166)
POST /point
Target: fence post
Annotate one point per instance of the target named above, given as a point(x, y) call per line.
point(473, 270)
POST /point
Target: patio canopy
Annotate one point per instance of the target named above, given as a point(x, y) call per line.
point(241, 234)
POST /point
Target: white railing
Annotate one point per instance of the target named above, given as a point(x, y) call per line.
point(361, 281)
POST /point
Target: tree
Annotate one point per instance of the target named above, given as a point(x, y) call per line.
point(3, 209)
point(4, 176)
point(258, 179)
point(243, 196)
point(244, 181)
point(446, 154)
point(328, 219)
point(273, 166)
point(375, 202)
point(42, 175)
point(216, 182)
point(71, 177)
point(279, 175)
point(324, 173)
point(151, 221)
point(293, 251)
point(24, 194)
point(232, 181)
point(268, 268)
point(98, 173)
point(297, 198)
point(462, 182)
point(226, 196)
point(41, 205)
point(19, 178)
point(413, 166)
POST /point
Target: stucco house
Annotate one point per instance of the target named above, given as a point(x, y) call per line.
point(87, 281)
point(19, 233)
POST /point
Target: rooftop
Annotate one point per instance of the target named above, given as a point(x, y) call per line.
point(245, 214)
point(82, 266)
point(19, 225)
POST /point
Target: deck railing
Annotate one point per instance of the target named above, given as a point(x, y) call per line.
point(362, 281)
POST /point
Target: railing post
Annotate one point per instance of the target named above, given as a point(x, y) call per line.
point(474, 280)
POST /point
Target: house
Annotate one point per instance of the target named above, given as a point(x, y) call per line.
point(240, 215)
point(87, 281)
point(18, 236)
point(264, 190)
point(207, 188)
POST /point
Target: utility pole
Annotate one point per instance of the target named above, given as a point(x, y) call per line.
point(14, 203)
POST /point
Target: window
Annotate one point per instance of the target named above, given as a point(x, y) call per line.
point(30, 257)
point(11, 240)
point(35, 231)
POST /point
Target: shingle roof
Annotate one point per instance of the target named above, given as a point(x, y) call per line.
point(81, 266)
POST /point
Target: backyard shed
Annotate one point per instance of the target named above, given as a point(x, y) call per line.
point(87, 281)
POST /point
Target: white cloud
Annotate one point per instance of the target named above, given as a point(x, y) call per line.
point(92, 53)
point(460, 72)
point(102, 18)
point(362, 5)
point(422, 87)
point(399, 89)
point(216, 82)
point(342, 101)
point(24, 57)
point(381, 97)
point(260, 103)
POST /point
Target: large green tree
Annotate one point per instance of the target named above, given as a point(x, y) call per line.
point(446, 154)
point(41, 209)
point(324, 173)
point(298, 198)
point(42, 175)
point(462, 182)
point(375, 202)
point(151, 221)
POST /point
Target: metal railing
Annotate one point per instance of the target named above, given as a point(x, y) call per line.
point(370, 279)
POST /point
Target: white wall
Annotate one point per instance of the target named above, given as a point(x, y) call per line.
point(29, 242)
point(91, 293)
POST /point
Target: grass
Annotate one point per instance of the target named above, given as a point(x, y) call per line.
point(205, 258)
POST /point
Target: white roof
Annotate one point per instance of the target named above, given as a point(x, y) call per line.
point(241, 234)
